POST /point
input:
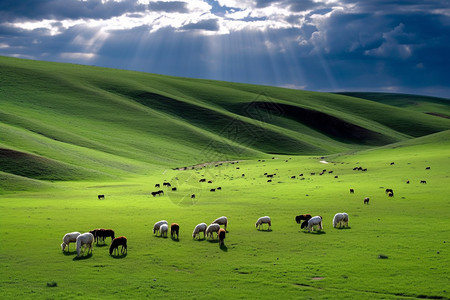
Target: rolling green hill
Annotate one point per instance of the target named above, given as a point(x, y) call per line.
point(72, 122)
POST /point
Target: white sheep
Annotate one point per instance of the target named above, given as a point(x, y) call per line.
point(317, 220)
point(340, 219)
point(199, 228)
point(263, 220)
point(157, 225)
point(221, 221)
point(164, 229)
point(69, 238)
point(211, 229)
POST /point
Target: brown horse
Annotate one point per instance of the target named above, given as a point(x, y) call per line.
point(221, 235)
point(174, 230)
point(305, 217)
point(119, 241)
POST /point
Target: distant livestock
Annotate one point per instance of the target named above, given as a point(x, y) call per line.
point(221, 234)
point(202, 180)
point(83, 241)
point(366, 200)
point(119, 241)
point(389, 190)
point(352, 191)
point(192, 196)
point(423, 181)
point(174, 230)
point(211, 229)
point(158, 193)
point(304, 217)
point(340, 219)
point(174, 189)
point(100, 197)
point(166, 184)
point(157, 226)
point(164, 229)
point(157, 185)
point(314, 221)
point(199, 228)
point(221, 221)
point(263, 220)
point(212, 190)
point(427, 168)
point(69, 238)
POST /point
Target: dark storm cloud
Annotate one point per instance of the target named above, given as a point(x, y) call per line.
point(379, 45)
point(208, 25)
point(11, 10)
point(176, 6)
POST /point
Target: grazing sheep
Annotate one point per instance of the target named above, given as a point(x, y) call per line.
point(221, 234)
point(366, 200)
point(221, 221)
point(174, 230)
point(211, 229)
point(317, 220)
point(157, 226)
point(199, 228)
point(69, 238)
point(305, 217)
point(263, 220)
point(164, 229)
point(85, 240)
point(340, 219)
point(119, 241)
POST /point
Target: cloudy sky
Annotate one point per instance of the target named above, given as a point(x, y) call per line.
point(320, 45)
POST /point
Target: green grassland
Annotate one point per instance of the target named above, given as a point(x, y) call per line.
point(69, 133)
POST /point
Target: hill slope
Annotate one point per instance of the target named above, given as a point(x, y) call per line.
point(80, 122)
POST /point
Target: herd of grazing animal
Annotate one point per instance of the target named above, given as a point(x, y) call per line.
point(308, 222)
point(86, 240)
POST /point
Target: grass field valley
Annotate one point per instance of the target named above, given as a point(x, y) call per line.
point(69, 133)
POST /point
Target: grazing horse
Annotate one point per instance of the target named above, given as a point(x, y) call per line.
point(119, 241)
point(221, 235)
point(305, 217)
point(202, 180)
point(174, 189)
point(157, 185)
point(157, 193)
point(366, 200)
point(389, 190)
point(352, 191)
point(85, 240)
point(390, 194)
point(174, 230)
point(100, 197)
point(423, 181)
point(166, 184)
point(212, 190)
point(193, 196)
point(69, 238)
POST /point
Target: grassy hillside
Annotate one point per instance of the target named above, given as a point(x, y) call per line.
point(69, 133)
point(429, 105)
point(410, 229)
point(88, 122)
